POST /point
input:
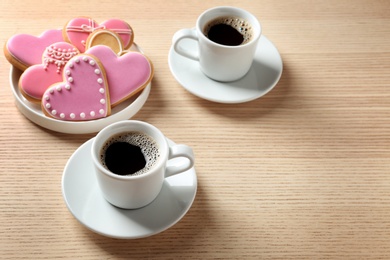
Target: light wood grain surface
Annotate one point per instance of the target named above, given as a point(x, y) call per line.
point(301, 173)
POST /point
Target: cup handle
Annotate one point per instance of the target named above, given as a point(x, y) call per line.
point(183, 34)
point(180, 151)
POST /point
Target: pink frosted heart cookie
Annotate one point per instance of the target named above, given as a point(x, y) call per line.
point(37, 78)
point(24, 50)
point(77, 30)
point(126, 74)
point(83, 94)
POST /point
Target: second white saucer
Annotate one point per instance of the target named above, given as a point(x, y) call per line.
point(85, 201)
point(264, 74)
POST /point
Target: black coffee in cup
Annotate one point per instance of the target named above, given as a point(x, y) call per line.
point(130, 153)
point(231, 31)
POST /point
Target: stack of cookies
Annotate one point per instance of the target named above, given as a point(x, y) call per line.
point(80, 72)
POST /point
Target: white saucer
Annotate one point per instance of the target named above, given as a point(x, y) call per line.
point(33, 112)
point(262, 77)
point(85, 201)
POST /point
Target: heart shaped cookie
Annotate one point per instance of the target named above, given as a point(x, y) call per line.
point(37, 78)
point(77, 30)
point(126, 74)
point(83, 94)
point(24, 50)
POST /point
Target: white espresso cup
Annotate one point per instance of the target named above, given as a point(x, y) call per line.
point(135, 191)
point(218, 61)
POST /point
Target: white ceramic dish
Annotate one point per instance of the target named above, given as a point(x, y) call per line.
point(33, 112)
point(85, 201)
point(264, 74)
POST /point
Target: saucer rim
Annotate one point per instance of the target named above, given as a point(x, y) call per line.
point(156, 231)
point(172, 54)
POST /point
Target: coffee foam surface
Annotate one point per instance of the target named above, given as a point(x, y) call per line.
point(148, 147)
point(241, 25)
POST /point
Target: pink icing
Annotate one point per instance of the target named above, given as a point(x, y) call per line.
point(122, 28)
point(37, 78)
point(28, 49)
point(125, 74)
point(78, 30)
point(82, 96)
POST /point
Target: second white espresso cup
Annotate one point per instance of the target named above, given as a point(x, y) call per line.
point(135, 191)
point(217, 61)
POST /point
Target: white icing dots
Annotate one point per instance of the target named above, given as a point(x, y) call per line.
point(57, 56)
point(91, 76)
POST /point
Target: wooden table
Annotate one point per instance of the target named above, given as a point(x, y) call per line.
point(301, 173)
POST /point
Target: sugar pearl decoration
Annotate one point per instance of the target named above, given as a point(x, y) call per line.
point(71, 68)
point(57, 56)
